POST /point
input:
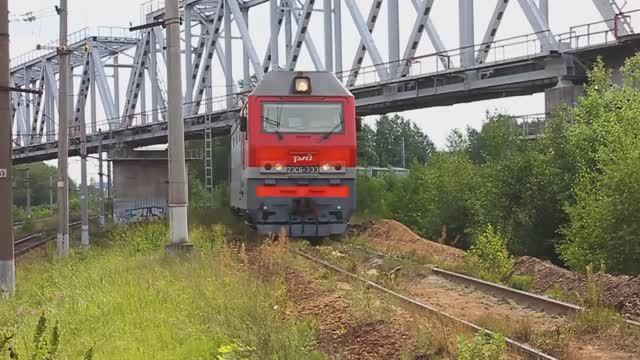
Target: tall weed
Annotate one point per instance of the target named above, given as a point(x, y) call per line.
point(490, 256)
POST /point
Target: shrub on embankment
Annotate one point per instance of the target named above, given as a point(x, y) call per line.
point(570, 196)
point(126, 299)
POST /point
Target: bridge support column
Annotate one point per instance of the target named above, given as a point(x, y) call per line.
point(140, 185)
point(564, 93)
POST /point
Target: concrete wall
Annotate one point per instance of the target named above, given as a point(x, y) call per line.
point(140, 185)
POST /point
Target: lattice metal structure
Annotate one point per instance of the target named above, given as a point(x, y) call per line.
point(221, 49)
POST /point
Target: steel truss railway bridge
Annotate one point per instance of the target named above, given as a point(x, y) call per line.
point(217, 36)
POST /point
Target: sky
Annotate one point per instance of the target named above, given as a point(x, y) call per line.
point(437, 122)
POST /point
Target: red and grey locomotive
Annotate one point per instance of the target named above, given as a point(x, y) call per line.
point(293, 155)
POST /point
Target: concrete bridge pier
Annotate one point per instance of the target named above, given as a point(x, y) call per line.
point(140, 184)
point(564, 93)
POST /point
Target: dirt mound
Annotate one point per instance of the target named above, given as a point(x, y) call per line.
point(621, 292)
point(394, 236)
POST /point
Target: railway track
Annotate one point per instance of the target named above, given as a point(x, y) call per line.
point(35, 241)
point(514, 346)
point(534, 301)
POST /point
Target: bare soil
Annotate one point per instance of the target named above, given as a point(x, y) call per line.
point(620, 292)
point(339, 334)
point(391, 235)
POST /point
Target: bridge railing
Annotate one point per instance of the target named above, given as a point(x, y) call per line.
point(73, 38)
point(531, 125)
point(528, 45)
point(602, 32)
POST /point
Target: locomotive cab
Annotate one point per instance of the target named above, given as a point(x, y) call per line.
point(294, 155)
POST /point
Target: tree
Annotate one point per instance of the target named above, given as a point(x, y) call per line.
point(389, 136)
point(366, 147)
point(39, 174)
point(604, 144)
point(437, 195)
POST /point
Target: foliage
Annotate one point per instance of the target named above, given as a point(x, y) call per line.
point(372, 196)
point(111, 302)
point(436, 195)
point(383, 146)
point(519, 187)
point(521, 282)
point(603, 142)
point(484, 346)
point(43, 346)
point(366, 149)
point(489, 254)
point(141, 237)
point(198, 196)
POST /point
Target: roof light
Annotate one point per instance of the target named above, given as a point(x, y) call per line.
point(302, 85)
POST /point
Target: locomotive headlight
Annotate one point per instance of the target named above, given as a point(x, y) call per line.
point(326, 167)
point(302, 85)
point(278, 167)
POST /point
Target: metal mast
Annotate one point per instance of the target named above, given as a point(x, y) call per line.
point(177, 168)
point(63, 136)
point(84, 193)
point(7, 263)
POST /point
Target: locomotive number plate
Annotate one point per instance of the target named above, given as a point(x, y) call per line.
point(303, 169)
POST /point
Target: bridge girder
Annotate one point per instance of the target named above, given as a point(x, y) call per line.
point(379, 77)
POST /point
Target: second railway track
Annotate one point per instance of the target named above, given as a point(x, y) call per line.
point(515, 346)
point(538, 302)
point(35, 241)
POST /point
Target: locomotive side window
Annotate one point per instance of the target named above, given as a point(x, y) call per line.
point(299, 117)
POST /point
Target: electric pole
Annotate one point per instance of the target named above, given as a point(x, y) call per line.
point(404, 156)
point(63, 136)
point(51, 192)
point(27, 180)
point(7, 262)
point(109, 195)
point(84, 194)
point(178, 231)
point(100, 181)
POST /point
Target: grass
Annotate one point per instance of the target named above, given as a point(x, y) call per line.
point(520, 330)
point(134, 302)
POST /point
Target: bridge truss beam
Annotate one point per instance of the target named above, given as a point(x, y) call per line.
point(386, 67)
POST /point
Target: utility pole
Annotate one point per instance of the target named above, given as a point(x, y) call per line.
point(51, 192)
point(178, 231)
point(109, 195)
point(84, 193)
point(27, 180)
point(404, 155)
point(7, 262)
point(100, 181)
point(63, 136)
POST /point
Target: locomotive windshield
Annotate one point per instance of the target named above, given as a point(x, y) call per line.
point(302, 117)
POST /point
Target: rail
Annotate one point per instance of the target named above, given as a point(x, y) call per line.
point(535, 301)
point(513, 345)
point(35, 241)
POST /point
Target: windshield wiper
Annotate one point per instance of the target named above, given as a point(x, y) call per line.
point(275, 123)
point(332, 131)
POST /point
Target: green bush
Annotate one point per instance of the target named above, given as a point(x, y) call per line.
point(437, 195)
point(484, 346)
point(489, 254)
point(372, 196)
